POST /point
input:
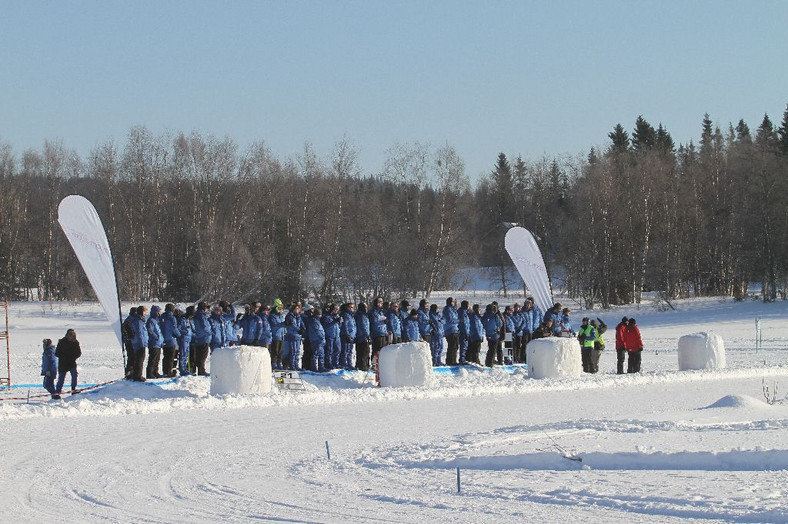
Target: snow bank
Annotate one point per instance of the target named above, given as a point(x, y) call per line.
point(701, 351)
point(554, 357)
point(240, 370)
point(407, 364)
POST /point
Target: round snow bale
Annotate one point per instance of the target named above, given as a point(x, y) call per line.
point(701, 351)
point(554, 357)
point(406, 364)
point(240, 370)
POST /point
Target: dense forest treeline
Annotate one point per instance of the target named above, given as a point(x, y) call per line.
point(192, 216)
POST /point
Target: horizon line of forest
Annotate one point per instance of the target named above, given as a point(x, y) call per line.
point(192, 217)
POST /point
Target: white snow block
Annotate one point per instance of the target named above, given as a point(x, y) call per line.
point(240, 370)
point(701, 351)
point(554, 357)
point(406, 364)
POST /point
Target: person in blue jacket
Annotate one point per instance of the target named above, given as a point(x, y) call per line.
point(249, 324)
point(295, 331)
point(362, 338)
point(218, 330)
point(228, 323)
point(317, 339)
point(203, 335)
point(424, 320)
point(394, 322)
point(463, 330)
point(476, 335)
point(517, 333)
point(404, 312)
point(492, 329)
point(139, 341)
point(331, 325)
point(155, 342)
point(276, 319)
point(412, 326)
point(537, 316)
point(49, 368)
point(451, 330)
point(378, 326)
point(170, 334)
point(264, 335)
point(128, 339)
point(436, 340)
point(186, 330)
point(347, 332)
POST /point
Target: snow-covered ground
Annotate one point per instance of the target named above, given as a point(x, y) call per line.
point(660, 446)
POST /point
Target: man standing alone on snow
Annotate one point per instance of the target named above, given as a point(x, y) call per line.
point(67, 352)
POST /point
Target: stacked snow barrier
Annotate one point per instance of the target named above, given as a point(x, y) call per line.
point(406, 364)
point(701, 351)
point(554, 357)
point(240, 370)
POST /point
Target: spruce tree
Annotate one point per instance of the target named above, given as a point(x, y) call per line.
point(644, 137)
point(620, 139)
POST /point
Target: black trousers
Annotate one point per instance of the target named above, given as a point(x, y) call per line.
point(362, 355)
point(633, 364)
point(154, 356)
point(585, 353)
point(379, 342)
point(474, 347)
point(139, 361)
point(129, 371)
point(452, 348)
point(493, 349)
point(595, 355)
point(201, 352)
point(276, 353)
point(169, 363)
point(621, 355)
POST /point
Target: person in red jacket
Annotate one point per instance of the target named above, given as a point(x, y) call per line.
point(634, 344)
point(621, 347)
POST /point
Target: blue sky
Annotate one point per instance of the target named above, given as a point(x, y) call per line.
point(530, 78)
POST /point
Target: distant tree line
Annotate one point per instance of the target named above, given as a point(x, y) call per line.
point(193, 216)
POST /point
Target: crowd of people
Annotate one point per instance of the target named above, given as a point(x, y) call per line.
point(172, 342)
point(349, 336)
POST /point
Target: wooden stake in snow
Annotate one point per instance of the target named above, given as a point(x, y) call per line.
point(328, 451)
point(458, 480)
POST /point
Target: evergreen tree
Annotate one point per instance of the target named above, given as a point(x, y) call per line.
point(783, 132)
point(664, 142)
point(620, 139)
point(644, 137)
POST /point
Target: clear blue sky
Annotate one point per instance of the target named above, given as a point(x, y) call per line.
point(519, 77)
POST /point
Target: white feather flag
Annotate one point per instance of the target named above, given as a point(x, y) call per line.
point(525, 253)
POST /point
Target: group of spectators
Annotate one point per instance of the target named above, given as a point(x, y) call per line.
point(350, 336)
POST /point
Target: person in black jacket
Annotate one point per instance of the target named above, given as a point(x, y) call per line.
point(67, 352)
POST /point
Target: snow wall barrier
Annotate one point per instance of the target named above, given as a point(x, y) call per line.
point(406, 364)
point(701, 351)
point(554, 357)
point(240, 370)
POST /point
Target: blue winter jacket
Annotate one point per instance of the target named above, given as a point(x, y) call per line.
point(492, 325)
point(567, 323)
point(155, 338)
point(140, 338)
point(49, 361)
point(218, 333)
point(509, 322)
point(228, 318)
point(331, 325)
point(477, 327)
point(250, 325)
point(377, 321)
point(463, 323)
point(403, 317)
point(412, 329)
point(277, 323)
point(202, 328)
point(264, 334)
point(436, 323)
point(518, 319)
point(395, 323)
point(451, 320)
point(315, 331)
point(528, 321)
point(348, 328)
point(186, 330)
point(536, 318)
point(295, 327)
point(424, 322)
point(169, 329)
point(362, 327)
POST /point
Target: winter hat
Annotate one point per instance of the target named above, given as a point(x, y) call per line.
point(278, 303)
point(154, 310)
point(307, 307)
point(624, 319)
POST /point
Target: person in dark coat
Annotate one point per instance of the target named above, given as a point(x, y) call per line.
point(128, 342)
point(621, 347)
point(634, 344)
point(49, 368)
point(67, 352)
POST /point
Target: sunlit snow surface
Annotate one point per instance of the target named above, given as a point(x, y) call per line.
point(660, 446)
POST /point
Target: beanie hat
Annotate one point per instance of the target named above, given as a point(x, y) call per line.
point(278, 303)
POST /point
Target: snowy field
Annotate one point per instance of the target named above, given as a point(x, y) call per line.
point(660, 446)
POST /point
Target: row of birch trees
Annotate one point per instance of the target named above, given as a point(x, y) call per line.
point(192, 216)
